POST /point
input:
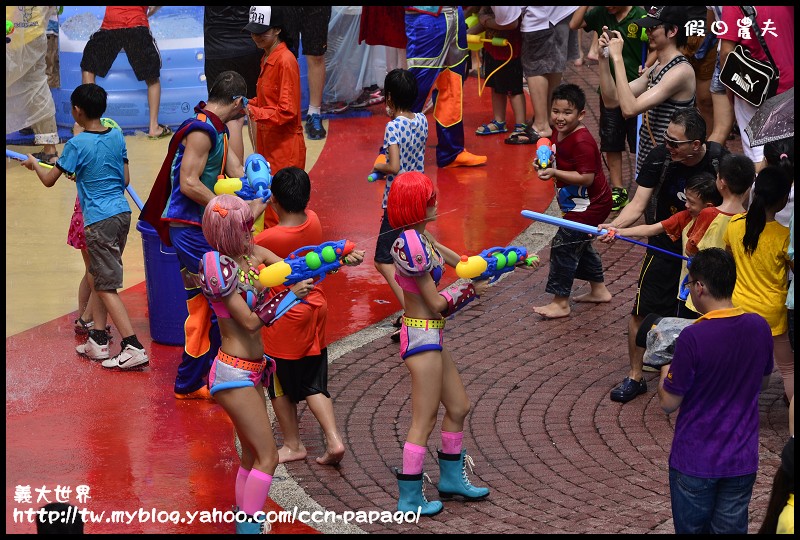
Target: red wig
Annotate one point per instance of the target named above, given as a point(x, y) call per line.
point(408, 199)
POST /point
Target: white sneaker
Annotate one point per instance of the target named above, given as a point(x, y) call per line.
point(130, 357)
point(92, 350)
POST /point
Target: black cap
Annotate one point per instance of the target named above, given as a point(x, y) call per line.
point(674, 15)
point(262, 18)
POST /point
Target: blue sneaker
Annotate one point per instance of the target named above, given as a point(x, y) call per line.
point(314, 128)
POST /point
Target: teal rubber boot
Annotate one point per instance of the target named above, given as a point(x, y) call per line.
point(453, 479)
point(253, 525)
point(412, 495)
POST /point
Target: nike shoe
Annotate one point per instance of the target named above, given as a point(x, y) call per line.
point(314, 128)
point(92, 350)
point(619, 198)
point(368, 98)
point(130, 357)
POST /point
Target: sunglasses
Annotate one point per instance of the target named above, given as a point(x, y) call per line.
point(673, 143)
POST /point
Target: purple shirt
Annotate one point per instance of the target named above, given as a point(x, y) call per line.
point(717, 367)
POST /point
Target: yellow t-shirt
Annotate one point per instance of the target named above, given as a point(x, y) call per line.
point(761, 278)
point(786, 519)
point(705, 231)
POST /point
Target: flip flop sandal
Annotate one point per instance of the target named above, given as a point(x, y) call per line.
point(166, 132)
point(50, 159)
point(492, 128)
point(526, 136)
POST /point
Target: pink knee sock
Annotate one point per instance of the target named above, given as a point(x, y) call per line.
point(451, 442)
point(241, 479)
point(413, 457)
point(256, 490)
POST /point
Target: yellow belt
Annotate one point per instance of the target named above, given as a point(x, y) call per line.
point(434, 324)
point(247, 365)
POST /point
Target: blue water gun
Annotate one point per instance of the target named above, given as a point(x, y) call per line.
point(22, 157)
point(493, 263)
point(256, 182)
point(544, 153)
point(306, 262)
point(683, 291)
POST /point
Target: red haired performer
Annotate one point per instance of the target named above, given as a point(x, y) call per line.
point(229, 279)
point(419, 260)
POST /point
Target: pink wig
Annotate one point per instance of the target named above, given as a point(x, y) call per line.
point(408, 199)
point(227, 224)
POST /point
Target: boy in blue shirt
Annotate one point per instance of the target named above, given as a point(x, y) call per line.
point(97, 160)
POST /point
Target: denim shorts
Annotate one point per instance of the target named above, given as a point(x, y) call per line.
point(572, 256)
point(716, 86)
point(710, 505)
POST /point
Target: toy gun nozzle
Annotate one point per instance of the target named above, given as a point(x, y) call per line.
point(348, 247)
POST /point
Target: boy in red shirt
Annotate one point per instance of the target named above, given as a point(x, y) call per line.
point(583, 196)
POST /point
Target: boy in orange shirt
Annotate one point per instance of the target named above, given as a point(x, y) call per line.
point(297, 341)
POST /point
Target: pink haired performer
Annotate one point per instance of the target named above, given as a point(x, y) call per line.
point(229, 279)
point(419, 260)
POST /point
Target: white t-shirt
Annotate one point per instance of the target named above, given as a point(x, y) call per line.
point(533, 17)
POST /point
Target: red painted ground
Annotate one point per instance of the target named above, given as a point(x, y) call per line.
point(70, 422)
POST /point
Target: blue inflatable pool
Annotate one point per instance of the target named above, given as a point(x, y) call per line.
point(178, 31)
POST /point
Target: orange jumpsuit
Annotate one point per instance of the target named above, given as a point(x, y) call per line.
point(276, 111)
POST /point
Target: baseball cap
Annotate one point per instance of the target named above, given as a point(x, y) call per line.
point(674, 15)
point(262, 18)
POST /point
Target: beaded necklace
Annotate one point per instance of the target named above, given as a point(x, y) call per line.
point(251, 276)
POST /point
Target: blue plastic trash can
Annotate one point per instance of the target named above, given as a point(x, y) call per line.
point(166, 296)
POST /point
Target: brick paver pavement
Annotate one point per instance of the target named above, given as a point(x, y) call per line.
point(558, 455)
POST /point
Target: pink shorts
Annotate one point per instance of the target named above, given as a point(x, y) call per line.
point(75, 236)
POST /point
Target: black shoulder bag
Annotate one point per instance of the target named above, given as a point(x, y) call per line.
point(750, 79)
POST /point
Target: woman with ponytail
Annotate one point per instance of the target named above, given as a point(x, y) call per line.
point(759, 245)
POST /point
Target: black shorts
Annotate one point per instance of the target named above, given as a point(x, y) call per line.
point(657, 290)
point(104, 45)
point(615, 129)
point(508, 80)
point(298, 379)
point(248, 66)
point(311, 24)
point(386, 238)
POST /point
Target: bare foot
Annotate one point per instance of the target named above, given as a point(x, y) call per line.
point(552, 311)
point(600, 298)
point(285, 454)
point(332, 455)
point(578, 62)
point(592, 56)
